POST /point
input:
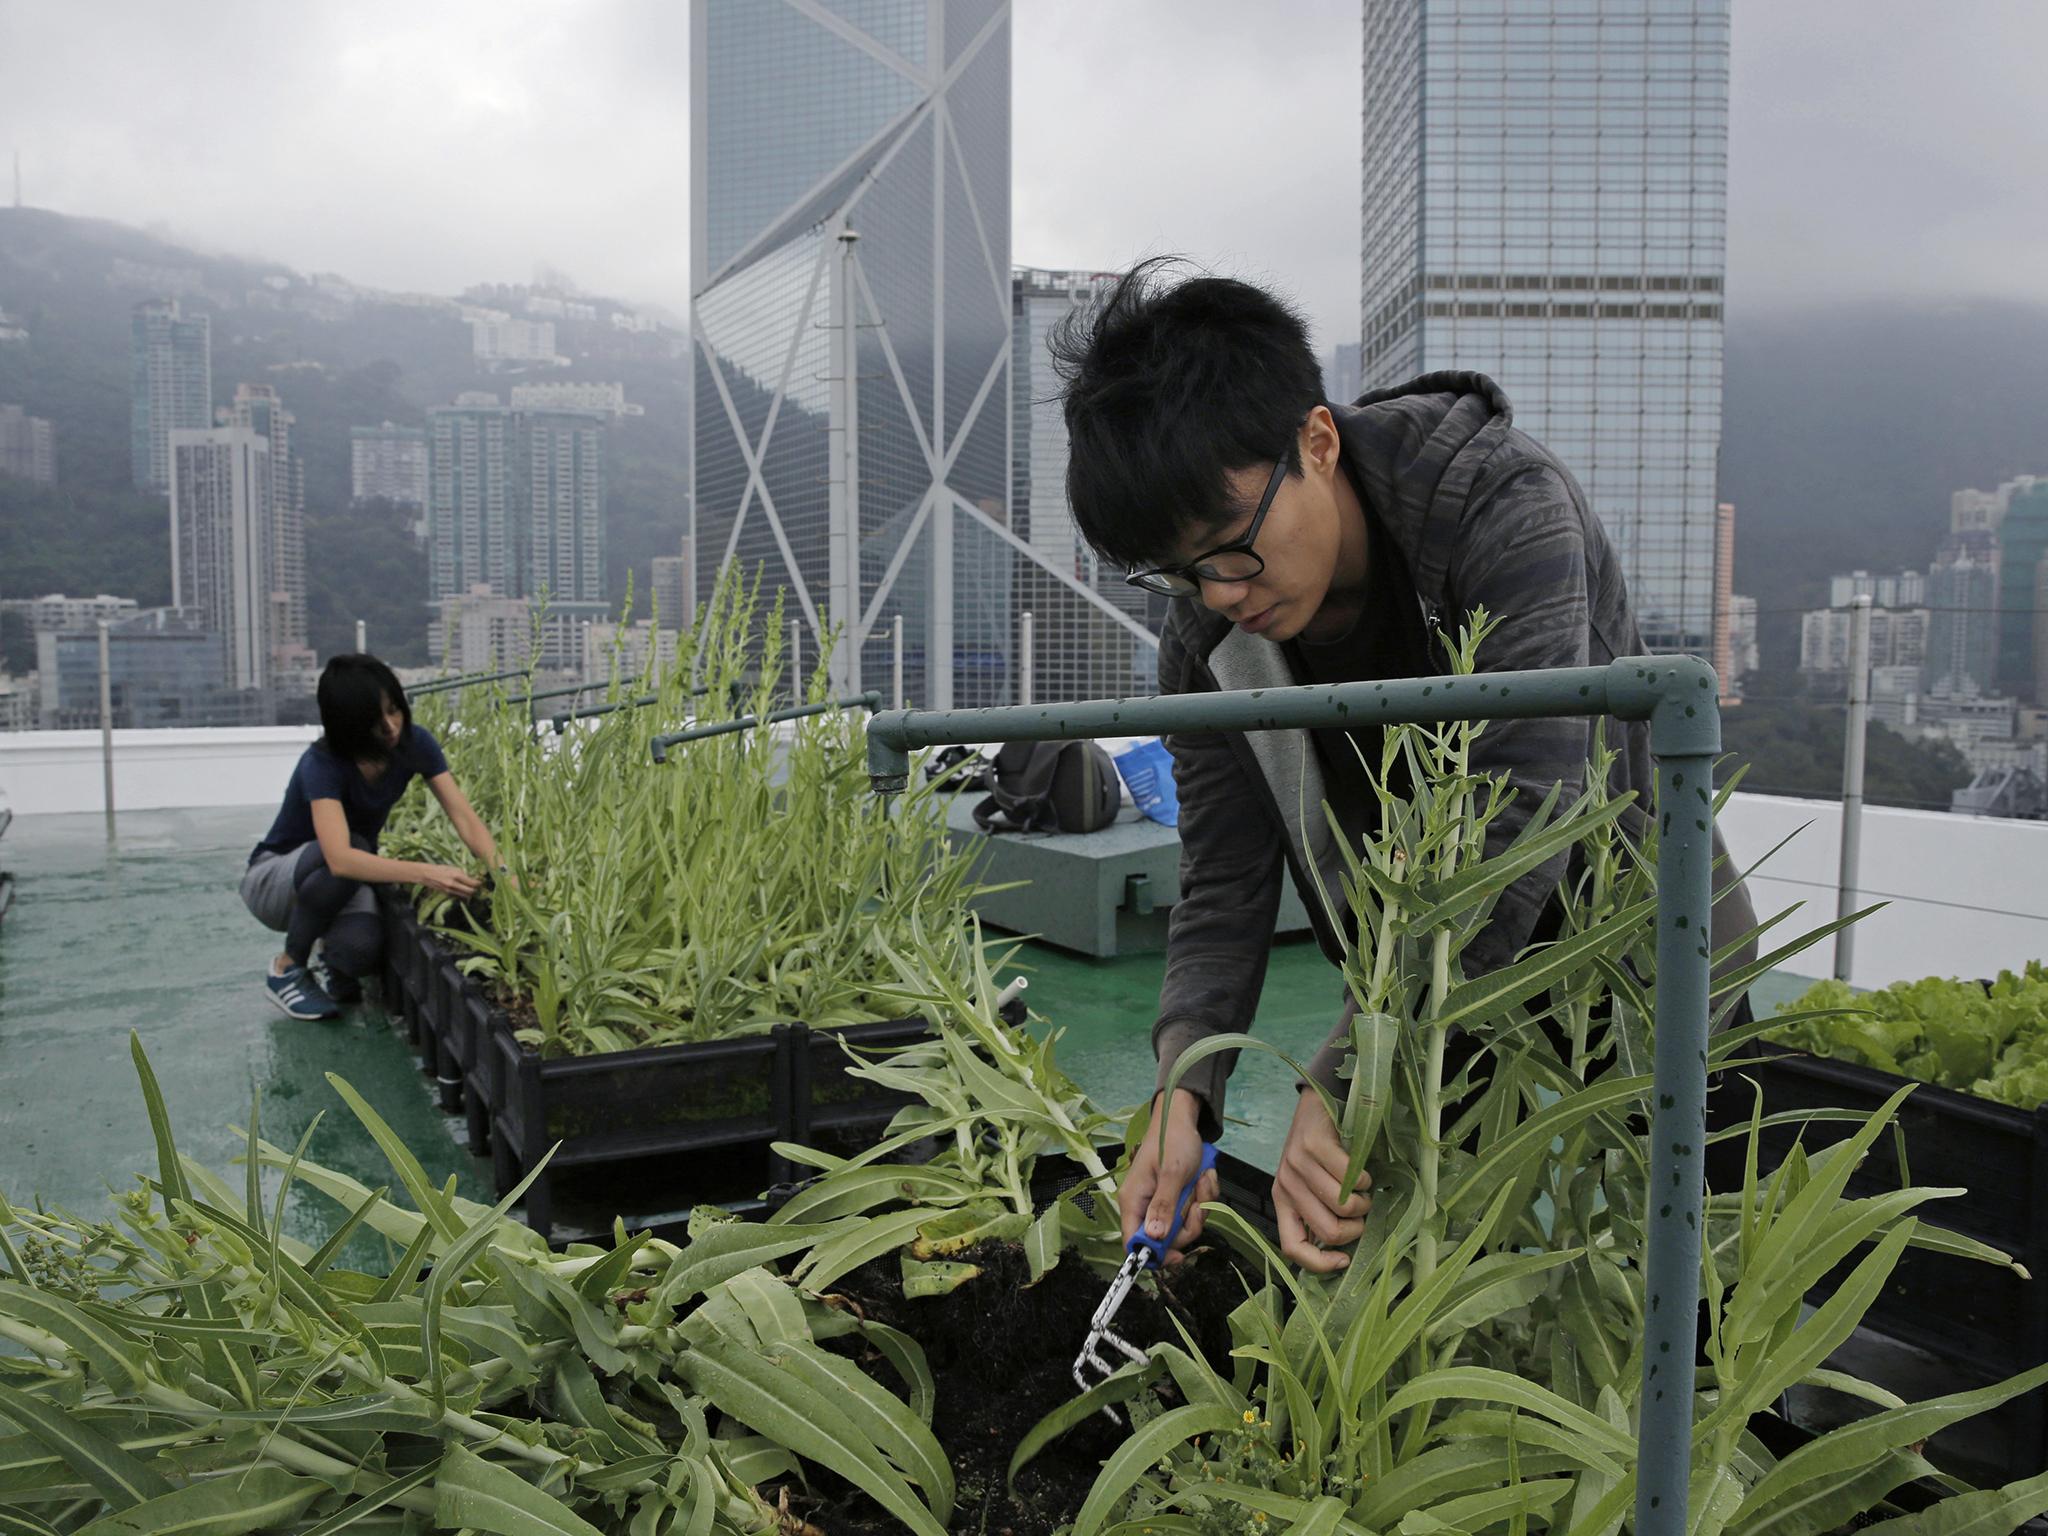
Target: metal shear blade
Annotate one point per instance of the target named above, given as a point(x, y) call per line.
point(1141, 1253)
point(1091, 1366)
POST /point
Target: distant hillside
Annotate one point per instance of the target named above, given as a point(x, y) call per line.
point(339, 358)
point(1845, 428)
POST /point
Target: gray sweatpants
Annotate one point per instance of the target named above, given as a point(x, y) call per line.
point(270, 892)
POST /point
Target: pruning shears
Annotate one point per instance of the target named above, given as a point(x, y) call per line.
point(1140, 1254)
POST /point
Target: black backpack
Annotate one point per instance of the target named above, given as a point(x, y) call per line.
point(1050, 786)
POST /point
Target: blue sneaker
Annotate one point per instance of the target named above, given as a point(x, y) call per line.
point(299, 996)
point(343, 988)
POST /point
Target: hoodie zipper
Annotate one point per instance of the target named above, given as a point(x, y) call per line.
point(1432, 621)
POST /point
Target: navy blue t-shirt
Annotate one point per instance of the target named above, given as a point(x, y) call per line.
point(320, 775)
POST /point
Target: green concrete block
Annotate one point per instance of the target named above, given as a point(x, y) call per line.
point(1095, 893)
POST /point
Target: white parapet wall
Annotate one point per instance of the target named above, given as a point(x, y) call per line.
point(1963, 895)
point(53, 772)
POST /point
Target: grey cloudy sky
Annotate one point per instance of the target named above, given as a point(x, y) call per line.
point(1877, 146)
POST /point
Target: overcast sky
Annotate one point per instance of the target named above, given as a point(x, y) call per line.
point(1877, 146)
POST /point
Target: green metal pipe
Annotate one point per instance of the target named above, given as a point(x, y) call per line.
point(661, 744)
point(561, 721)
point(443, 684)
point(553, 693)
point(1679, 697)
point(1488, 696)
point(1678, 1134)
point(590, 711)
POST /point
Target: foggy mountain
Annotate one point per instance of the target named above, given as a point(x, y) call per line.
point(1845, 428)
point(339, 357)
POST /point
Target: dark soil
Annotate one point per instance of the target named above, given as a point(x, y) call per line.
point(1002, 1354)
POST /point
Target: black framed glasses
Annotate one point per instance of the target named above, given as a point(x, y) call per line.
point(1234, 561)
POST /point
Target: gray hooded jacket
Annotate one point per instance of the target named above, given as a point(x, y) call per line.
point(1483, 516)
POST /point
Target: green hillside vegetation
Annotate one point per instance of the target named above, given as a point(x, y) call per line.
point(1844, 428)
point(334, 369)
point(1793, 746)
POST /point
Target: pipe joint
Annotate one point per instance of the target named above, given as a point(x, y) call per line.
point(1680, 697)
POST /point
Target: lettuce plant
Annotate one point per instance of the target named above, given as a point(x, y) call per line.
point(1992, 1042)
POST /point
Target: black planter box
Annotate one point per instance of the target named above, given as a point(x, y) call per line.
point(419, 992)
point(1984, 1323)
point(632, 1107)
point(484, 1018)
point(830, 1108)
point(399, 927)
point(658, 1128)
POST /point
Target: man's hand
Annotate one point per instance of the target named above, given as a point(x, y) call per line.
point(1151, 1189)
point(1315, 1214)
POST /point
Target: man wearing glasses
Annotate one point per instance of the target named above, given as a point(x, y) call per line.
point(1304, 542)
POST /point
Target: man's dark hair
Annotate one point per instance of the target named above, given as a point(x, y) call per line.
point(1167, 386)
point(353, 692)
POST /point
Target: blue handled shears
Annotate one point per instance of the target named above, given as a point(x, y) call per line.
point(1140, 1254)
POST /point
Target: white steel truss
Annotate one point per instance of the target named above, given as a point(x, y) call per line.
point(827, 352)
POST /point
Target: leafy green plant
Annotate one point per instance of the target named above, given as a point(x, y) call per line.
point(754, 879)
point(1992, 1042)
point(1477, 1366)
point(187, 1366)
point(957, 1165)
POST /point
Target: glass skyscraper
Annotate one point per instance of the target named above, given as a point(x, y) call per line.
point(1083, 649)
point(515, 509)
point(223, 542)
point(850, 215)
point(1545, 201)
point(258, 408)
point(170, 386)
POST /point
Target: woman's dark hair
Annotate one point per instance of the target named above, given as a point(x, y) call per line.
point(353, 693)
point(1168, 386)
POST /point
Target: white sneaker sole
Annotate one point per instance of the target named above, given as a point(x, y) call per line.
point(285, 1008)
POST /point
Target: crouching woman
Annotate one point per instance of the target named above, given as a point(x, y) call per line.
point(310, 877)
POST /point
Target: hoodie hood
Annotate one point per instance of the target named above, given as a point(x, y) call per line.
point(1418, 450)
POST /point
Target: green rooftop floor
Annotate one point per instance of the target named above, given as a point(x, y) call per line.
point(147, 934)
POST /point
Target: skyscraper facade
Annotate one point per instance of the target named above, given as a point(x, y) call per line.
point(258, 408)
point(1342, 381)
point(469, 505)
point(1081, 650)
point(170, 386)
point(221, 555)
point(28, 446)
point(2022, 550)
point(675, 591)
point(1962, 601)
point(515, 509)
point(388, 463)
point(1544, 201)
point(850, 221)
point(165, 667)
point(559, 484)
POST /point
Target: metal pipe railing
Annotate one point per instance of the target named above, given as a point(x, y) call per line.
point(443, 684)
point(1678, 696)
point(553, 693)
point(1855, 731)
point(591, 711)
point(660, 745)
